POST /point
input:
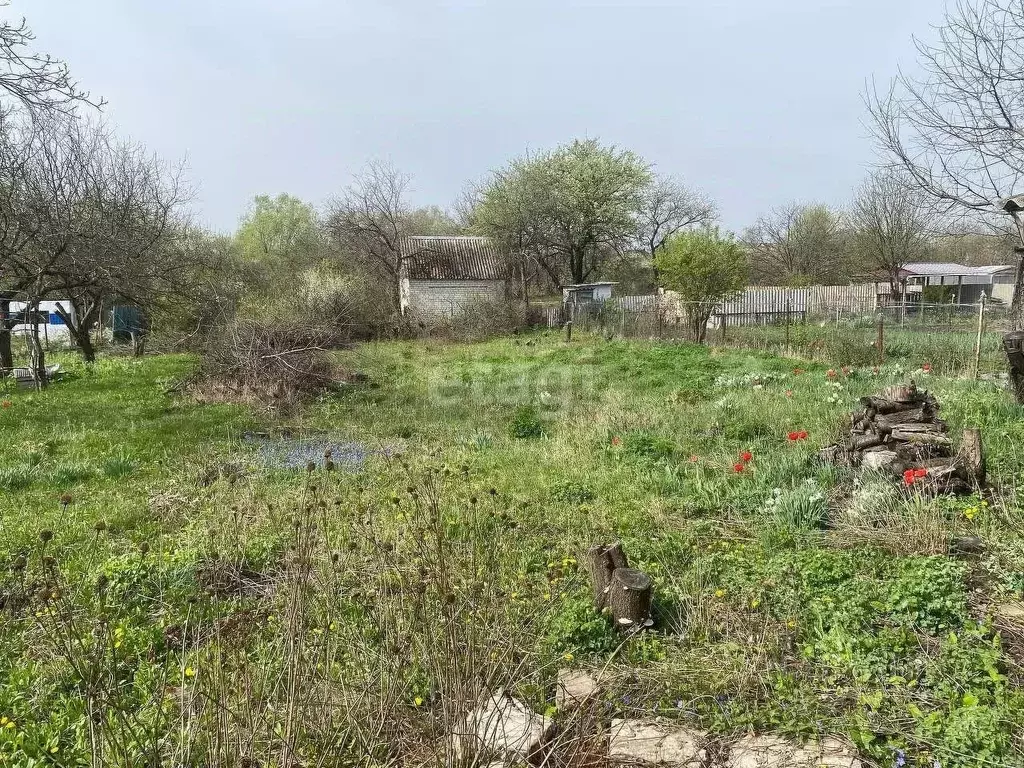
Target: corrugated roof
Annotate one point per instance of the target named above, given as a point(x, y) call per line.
point(942, 268)
point(452, 258)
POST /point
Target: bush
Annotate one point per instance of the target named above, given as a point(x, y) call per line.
point(526, 423)
point(478, 321)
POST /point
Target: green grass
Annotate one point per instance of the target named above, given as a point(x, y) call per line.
point(186, 573)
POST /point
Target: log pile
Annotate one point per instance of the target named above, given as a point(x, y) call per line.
point(898, 431)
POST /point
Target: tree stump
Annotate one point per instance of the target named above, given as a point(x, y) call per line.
point(603, 560)
point(629, 597)
point(973, 455)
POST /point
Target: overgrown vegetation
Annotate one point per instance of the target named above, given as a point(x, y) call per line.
point(171, 599)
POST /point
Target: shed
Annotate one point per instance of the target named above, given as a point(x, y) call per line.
point(967, 283)
point(585, 293)
point(441, 276)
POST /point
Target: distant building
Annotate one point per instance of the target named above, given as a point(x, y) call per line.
point(444, 275)
point(585, 293)
point(966, 283)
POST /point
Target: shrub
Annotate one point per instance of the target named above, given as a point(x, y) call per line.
point(526, 423)
point(477, 321)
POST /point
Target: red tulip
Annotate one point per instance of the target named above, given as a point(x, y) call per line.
point(908, 477)
point(737, 467)
point(616, 440)
point(803, 435)
point(746, 456)
point(694, 459)
point(789, 393)
point(831, 373)
point(922, 472)
point(797, 371)
point(793, 436)
point(927, 367)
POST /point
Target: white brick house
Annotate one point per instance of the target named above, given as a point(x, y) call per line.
point(442, 276)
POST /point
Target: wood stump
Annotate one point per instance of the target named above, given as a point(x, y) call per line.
point(629, 597)
point(626, 592)
point(972, 454)
point(602, 561)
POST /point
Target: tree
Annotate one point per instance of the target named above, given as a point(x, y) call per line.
point(891, 225)
point(705, 268)
point(666, 208)
point(282, 232)
point(568, 210)
point(35, 81)
point(797, 245)
point(955, 130)
point(373, 217)
point(83, 217)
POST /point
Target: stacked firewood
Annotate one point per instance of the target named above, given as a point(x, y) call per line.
point(899, 431)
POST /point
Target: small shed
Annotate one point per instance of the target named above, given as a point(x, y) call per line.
point(587, 293)
point(966, 283)
point(441, 276)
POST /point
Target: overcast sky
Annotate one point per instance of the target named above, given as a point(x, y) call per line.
point(758, 102)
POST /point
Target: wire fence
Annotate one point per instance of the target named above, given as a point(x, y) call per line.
point(953, 339)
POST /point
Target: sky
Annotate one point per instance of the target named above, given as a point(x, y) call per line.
point(756, 102)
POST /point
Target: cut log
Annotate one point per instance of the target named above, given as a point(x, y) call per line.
point(887, 422)
point(920, 437)
point(861, 442)
point(972, 454)
point(629, 597)
point(602, 561)
point(903, 393)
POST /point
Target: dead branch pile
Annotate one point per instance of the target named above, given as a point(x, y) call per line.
point(270, 362)
point(898, 431)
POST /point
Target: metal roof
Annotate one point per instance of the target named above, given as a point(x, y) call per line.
point(581, 286)
point(936, 268)
point(452, 258)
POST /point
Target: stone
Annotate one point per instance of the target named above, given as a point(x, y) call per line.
point(777, 752)
point(575, 688)
point(656, 741)
point(502, 726)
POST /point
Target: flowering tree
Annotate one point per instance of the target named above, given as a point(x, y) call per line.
point(704, 267)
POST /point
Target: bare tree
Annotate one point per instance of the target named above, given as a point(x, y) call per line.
point(36, 81)
point(797, 244)
point(667, 207)
point(956, 129)
point(891, 225)
point(372, 218)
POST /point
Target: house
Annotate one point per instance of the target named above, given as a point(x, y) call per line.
point(966, 283)
point(442, 276)
point(585, 293)
point(50, 323)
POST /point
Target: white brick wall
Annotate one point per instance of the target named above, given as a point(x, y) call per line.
point(445, 298)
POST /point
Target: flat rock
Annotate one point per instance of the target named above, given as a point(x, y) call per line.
point(656, 741)
point(575, 688)
point(777, 752)
point(504, 727)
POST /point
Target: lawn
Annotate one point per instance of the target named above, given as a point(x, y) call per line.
point(174, 596)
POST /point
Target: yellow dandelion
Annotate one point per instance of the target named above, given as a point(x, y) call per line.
point(11, 725)
point(418, 701)
point(54, 750)
point(755, 603)
point(719, 593)
point(3, 721)
point(189, 672)
point(568, 657)
point(547, 595)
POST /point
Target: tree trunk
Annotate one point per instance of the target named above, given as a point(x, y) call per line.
point(629, 597)
point(6, 352)
point(973, 454)
point(38, 354)
point(603, 560)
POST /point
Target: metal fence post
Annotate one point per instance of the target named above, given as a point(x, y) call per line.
point(981, 332)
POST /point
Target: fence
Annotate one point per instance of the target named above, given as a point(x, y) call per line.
point(954, 339)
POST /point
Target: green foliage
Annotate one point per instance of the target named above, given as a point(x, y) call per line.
point(526, 423)
point(703, 267)
point(281, 232)
point(566, 207)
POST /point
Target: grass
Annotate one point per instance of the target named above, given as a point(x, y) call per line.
point(171, 600)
